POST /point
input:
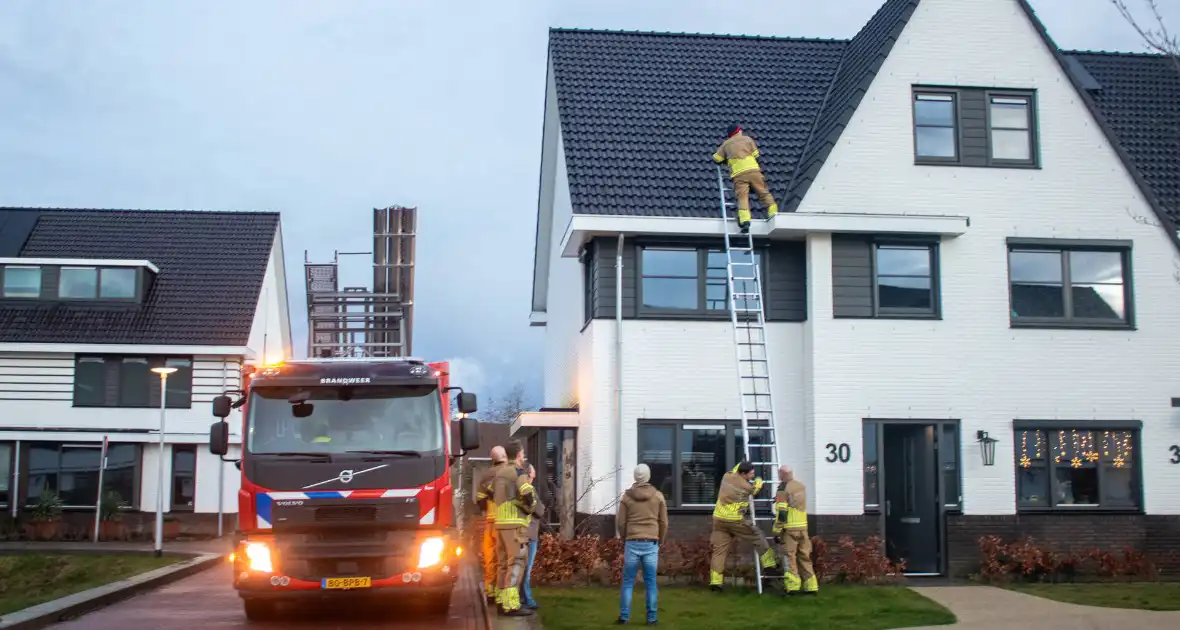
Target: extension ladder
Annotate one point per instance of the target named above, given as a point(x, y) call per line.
point(747, 313)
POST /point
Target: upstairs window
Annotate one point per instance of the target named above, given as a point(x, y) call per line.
point(934, 126)
point(89, 283)
point(1084, 285)
point(987, 127)
point(694, 281)
point(905, 279)
point(127, 381)
point(22, 282)
point(1010, 126)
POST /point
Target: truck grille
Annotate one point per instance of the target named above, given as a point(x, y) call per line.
point(346, 514)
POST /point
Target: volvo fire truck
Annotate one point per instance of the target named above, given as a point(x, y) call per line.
point(345, 480)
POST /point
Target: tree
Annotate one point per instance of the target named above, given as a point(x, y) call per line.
point(505, 409)
point(1157, 37)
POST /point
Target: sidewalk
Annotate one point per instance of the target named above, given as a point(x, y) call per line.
point(216, 545)
point(989, 608)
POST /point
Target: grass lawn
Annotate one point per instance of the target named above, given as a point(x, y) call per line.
point(31, 579)
point(1141, 595)
point(696, 608)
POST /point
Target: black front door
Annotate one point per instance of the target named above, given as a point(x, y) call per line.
point(911, 497)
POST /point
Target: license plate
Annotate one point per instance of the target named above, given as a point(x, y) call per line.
point(347, 582)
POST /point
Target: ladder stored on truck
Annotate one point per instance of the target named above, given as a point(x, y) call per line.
point(748, 315)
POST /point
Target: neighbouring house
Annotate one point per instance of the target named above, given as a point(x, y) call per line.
point(978, 242)
point(90, 302)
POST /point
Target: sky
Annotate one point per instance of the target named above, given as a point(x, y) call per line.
point(324, 110)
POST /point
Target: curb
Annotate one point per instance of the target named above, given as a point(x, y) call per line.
point(482, 595)
point(80, 603)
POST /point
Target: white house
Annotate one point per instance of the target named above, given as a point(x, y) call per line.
point(978, 241)
point(90, 302)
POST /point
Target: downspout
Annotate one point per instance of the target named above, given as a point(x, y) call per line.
point(619, 365)
point(14, 494)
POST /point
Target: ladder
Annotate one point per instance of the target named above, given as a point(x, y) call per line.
point(748, 316)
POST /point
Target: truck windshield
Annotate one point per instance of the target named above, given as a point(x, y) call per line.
point(394, 418)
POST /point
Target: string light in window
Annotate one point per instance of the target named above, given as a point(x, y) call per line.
point(1025, 462)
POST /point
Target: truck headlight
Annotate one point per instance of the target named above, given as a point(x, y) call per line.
point(430, 553)
point(258, 557)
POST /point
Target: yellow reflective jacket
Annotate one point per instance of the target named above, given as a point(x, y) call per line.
point(790, 507)
point(740, 152)
point(514, 497)
point(733, 497)
point(484, 491)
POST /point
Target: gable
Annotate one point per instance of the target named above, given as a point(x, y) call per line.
point(211, 266)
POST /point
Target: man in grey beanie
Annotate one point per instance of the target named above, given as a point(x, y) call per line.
point(642, 522)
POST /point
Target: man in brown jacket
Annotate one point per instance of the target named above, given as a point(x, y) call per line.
point(642, 522)
point(741, 153)
point(483, 497)
point(790, 530)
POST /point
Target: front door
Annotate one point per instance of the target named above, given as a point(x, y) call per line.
point(911, 497)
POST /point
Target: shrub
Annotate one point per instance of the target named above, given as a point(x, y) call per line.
point(1026, 561)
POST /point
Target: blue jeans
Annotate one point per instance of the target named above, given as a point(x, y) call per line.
point(526, 590)
point(636, 552)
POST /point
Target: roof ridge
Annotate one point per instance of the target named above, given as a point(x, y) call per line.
point(159, 210)
point(1114, 53)
point(559, 29)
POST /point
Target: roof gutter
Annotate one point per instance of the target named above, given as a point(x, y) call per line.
point(100, 348)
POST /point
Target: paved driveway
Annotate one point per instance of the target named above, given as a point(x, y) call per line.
point(206, 600)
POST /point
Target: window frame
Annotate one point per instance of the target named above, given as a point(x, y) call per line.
point(731, 427)
point(4, 282)
point(588, 288)
point(956, 124)
point(6, 464)
point(136, 476)
point(1031, 132)
point(174, 397)
point(701, 310)
point(932, 247)
point(1135, 427)
point(136, 296)
point(1062, 247)
point(173, 476)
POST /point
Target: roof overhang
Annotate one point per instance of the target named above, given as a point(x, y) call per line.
point(81, 262)
point(108, 348)
point(538, 318)
point(529, 421)
point(784, 226)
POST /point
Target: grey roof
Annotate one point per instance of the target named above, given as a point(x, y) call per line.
point(211, 269)
point(639, 111)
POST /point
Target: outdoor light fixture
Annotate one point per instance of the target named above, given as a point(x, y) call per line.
point(163, 371)
point(987, 447)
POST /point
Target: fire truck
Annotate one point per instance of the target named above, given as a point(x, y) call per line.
point(345, 480)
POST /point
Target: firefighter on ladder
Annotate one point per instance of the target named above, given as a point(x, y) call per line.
point(741, 153)
point(483, 497)
point(790, 531)
point(732, 518)
point(514, 497)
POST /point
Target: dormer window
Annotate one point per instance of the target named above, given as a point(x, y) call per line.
point(105, 283)
point(22, 282)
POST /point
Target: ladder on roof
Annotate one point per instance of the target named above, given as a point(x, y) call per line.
point(748, 316)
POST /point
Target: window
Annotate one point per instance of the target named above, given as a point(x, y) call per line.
point(71, 471)
point(967, 126)
point(88, 283)
point(1081, 286)
point(184, 476)
point(934, 126)
point(22, 282)
point(688, 459)
point(588, 289)
point(905, 279)
point(695, 281)
point(872, 475)
point(1010, 128)
point(5, 473)
point(120, 381)
point(1066, 468)
point(553, 468)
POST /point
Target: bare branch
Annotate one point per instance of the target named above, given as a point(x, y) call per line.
point(1158, 38)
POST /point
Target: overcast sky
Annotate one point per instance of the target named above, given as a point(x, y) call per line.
point(323, 110)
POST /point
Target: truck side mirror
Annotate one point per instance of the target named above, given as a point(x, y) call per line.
point(469, 433)
point(219, 438)
point(467, 403)
point(221, 406)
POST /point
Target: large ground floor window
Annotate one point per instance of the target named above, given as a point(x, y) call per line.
point(688, 458)
point(71, 472)
point(5, 473)
point(1082, 465)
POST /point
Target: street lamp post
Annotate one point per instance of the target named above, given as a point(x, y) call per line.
point(163, 371)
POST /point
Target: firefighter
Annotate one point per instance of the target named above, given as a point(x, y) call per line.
point(732, 519)
point(741, 153)
point(483, 497)
point(790, 531)
point(514, 497)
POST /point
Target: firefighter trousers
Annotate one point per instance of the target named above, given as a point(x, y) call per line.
point(742, 183)
point(512, 551)
point(488, 549)
point(796, 547)
point(724, 533)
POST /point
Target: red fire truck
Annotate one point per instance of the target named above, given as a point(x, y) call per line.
point(346, 487)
